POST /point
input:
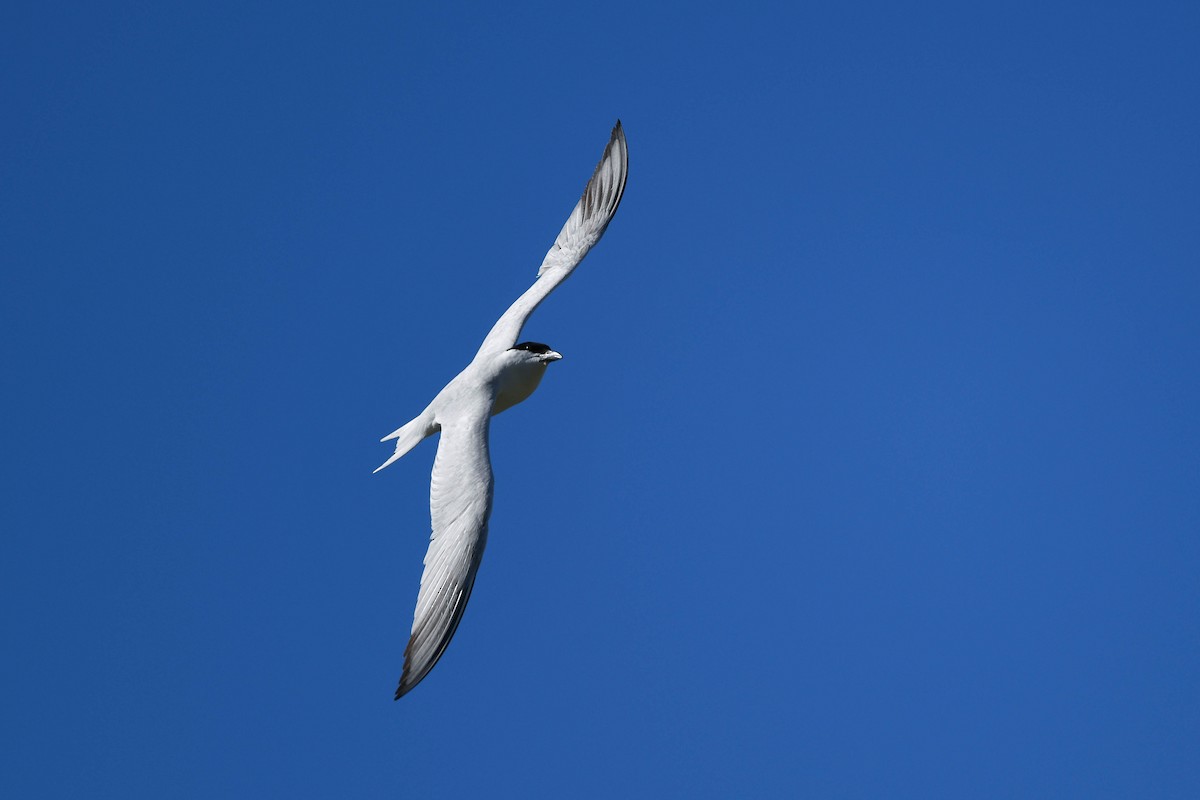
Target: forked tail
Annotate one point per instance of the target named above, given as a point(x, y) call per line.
point(409, 436)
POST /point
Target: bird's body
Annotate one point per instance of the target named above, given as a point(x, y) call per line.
point(502, 374)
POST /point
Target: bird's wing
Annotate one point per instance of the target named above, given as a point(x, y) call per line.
point(582, 230)
point(460, 502)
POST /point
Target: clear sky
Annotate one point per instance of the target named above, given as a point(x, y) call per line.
point(872, 468)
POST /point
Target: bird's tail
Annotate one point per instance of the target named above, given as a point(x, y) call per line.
point(409, 436)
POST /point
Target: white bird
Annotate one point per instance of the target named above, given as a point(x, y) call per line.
point(502, 374)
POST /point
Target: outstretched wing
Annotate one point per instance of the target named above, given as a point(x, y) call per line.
point(583, 229)
point(460, 502)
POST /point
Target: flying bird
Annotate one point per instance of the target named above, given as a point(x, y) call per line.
point(502, 374)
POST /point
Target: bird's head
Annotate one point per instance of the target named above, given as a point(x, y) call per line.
point(536, 352)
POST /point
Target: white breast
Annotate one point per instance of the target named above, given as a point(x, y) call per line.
point(516, 384)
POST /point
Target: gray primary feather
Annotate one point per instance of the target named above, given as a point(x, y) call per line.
point(500, 376)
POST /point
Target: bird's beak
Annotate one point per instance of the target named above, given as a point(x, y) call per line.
point(553, 355)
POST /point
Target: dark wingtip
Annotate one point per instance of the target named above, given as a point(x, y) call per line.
point(404, 686)
point(618, 134)
point(406, 683)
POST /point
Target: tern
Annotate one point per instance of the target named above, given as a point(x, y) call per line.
point(502, 374)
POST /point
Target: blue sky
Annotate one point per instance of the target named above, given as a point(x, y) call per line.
point(871, 470)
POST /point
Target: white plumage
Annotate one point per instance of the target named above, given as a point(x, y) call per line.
point(502, 374)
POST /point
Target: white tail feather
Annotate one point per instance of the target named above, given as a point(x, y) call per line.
point(409, 436)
